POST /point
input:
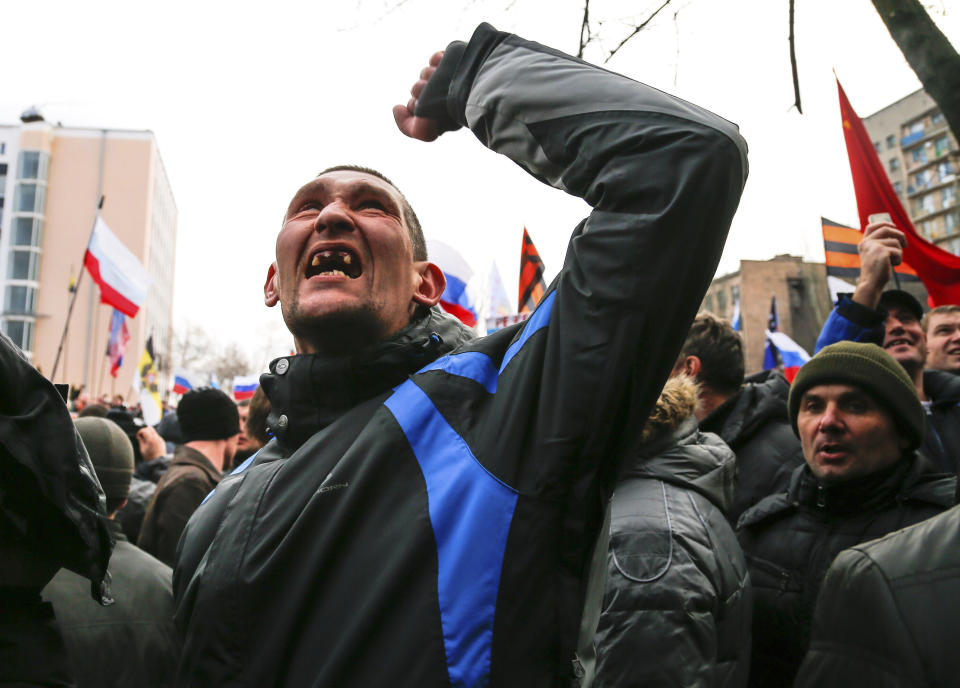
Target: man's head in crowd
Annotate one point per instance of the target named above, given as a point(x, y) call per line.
point(112, 456)
point(351, 264)
point(243, 409)
point(942, 327)
point(904, 338)
point(855, 410)
point(253, 423)
point(209, 422)
point(712, 354)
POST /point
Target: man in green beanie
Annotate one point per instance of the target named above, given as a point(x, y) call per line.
point(859, 421)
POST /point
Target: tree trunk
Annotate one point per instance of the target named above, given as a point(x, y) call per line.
point(928, 53)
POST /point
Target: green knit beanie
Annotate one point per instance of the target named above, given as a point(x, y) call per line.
point(871, 368)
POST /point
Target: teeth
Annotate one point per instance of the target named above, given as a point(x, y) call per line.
point(316, 261)
point(347, 259)
point(341, 273)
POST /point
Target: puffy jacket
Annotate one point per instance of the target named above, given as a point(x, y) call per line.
point(888, 614)
point(190, 478)
point(791, 539)
point(435, 531)
point(851, 321)
point(677, 606)
point(756, 426)
point(131, 642)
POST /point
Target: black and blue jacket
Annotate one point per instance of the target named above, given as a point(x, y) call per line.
point(426, 512)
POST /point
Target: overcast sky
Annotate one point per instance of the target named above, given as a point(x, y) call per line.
point(250, 100)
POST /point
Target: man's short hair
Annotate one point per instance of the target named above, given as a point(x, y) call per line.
point(949, 308)
point(413, 223)
point(720, 350)
point(256, 425)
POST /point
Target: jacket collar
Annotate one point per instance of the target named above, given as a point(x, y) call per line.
point(188, 456)
point(941, 387)
point(307, 392)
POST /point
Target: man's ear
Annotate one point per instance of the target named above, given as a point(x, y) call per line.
point(690, 366)
point(271, 288)
point(430, 285)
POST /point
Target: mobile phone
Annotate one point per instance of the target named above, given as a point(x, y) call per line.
point(879, 217)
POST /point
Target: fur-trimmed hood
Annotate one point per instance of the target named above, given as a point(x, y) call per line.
point(673, 449)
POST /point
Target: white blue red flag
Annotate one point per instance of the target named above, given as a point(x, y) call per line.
point(458, 298)
point(184, 381)
point(790, 354)
point(118, 341)
point(122, 278)
point(244, 386)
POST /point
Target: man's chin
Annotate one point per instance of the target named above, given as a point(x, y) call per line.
point(337, 332)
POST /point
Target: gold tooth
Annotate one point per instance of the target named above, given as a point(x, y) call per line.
point(316, 260)
point(347, 259)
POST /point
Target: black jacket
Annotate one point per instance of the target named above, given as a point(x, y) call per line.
point(888, 615)
point(790, 540)
point(941, 441)
point(434, 531)
point(756, 426)
point(131, 642)
point(678, 602)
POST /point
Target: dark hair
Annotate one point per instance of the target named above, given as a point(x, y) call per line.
point(720, 350)
point(413, 223)
point(256, 425)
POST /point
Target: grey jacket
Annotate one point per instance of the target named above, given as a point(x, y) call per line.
point(677, 607)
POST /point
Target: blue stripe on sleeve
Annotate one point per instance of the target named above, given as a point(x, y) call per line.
point(537, 321)
point(471, 512)
point(471, 364)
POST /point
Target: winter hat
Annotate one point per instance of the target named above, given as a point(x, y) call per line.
point(111, 454)
point(871, 368)
point(207, 414)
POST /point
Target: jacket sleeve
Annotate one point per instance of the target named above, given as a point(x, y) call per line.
point(175, 505)
point(850, 321)
point(663, 177)
point(858, 637)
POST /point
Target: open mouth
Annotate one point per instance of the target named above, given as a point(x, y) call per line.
point(341, 262)
point(832, 451)
point(897, 342)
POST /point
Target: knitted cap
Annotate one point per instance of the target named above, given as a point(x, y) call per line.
point(207, 414)
point(111, 454)
point(872, 369)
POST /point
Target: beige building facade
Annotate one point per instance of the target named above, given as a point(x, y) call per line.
point(51, 181)
point(803, 301)
point(922, 160)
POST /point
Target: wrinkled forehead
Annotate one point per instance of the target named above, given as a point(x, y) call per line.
point(836, 390)
point(347, 183)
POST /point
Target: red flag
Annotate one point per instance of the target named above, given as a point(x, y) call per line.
point(938, 269)
point(531, 283)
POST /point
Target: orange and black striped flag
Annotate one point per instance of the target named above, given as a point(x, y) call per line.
point(531, 283)
point(840, 248)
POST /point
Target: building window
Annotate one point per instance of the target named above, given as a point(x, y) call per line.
point(876, 146)
point(948, 196)
point(735, 293)
point(26, 231)
point(891, 141)
point(23, 265)
point(922, 179)
point(894, 164)
point(925, 204)
point(898, 188)
point(708, 303)
point(929, 229)
point(33, 165)
point(919, 154)
point(951, 222)
point(721, 302)
point(942, 145)
point(21, 332)
point(945, 171)
point(3, 147)
point(21, 300)
point(29, 198)
point(937, 117)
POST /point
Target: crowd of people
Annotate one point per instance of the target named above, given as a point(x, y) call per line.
point(597, 496)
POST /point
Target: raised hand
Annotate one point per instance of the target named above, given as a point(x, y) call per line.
point(422, 128)
point(880, 250)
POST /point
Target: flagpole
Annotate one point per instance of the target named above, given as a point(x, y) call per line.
point(73, 299)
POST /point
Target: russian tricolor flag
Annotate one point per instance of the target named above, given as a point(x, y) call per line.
point(244, 386)
point(791, 354)
point(183, 381)
point(457, 298)
point(122, 278)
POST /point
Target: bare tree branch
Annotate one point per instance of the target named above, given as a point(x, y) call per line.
point(793, 64)
point(584, 28)
point(636, 30)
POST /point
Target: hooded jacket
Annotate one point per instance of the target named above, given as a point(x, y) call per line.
point(852, 321)
point(427, 511)
point(677, 607)
point(790, 540)
point(888, 614)
point(755, 424)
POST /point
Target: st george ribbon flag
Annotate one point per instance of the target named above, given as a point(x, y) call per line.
point(458, 298)
point(118, 341)
point(531, 285)
point(122, 278)
point(938, 270)
point(842, 257)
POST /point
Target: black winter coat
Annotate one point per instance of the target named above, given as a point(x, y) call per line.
point(791, 539)
point(756, 426)
point(888, 615)
point(677, 606)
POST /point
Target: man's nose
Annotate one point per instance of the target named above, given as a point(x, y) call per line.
point(893, 323)
point(334, 217)
point(831, 420)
